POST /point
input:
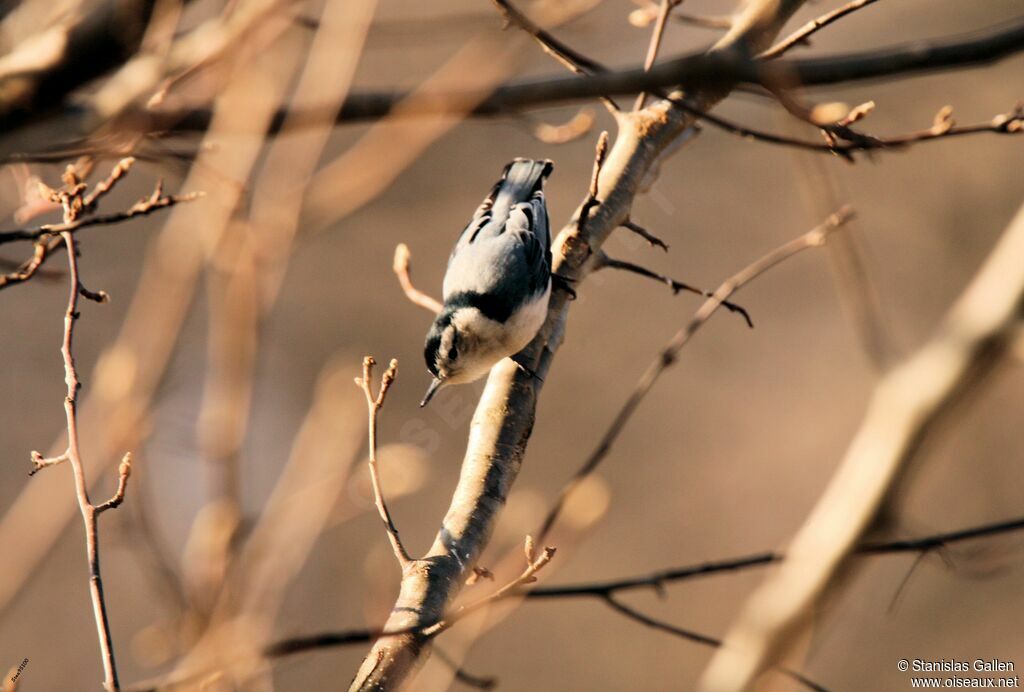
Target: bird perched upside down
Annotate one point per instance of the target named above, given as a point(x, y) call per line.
point(498, 281)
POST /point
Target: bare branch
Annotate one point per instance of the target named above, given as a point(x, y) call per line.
point(402, 269)
point(1009, 123)
point(676, 286)
point(654, 240)
point(571, 59)
point(534, 563)
point(72, 204)
point(39, 462)
point(564, 54)
point(105, 186)
point(694, 71)
point(374, 405)
point(803, 34)
point(664, 9)
point(654, 580)
point(569, 131)
point(906, 406)
point(658, 579)
point(124, 470)
point(504, 417)
point(813, 238)
point(144, 207)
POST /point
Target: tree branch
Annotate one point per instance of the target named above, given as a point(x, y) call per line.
point(402, 269)
point(71, 199)
point(813, 238)
point(906, 407)
point(657, 580)
point(676, 286)
point(505, 414)
point(803, 34)
point(654, 580)
point(695, 71)
point(373, 406)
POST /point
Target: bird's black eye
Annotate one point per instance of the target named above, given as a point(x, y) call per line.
point(453, 353)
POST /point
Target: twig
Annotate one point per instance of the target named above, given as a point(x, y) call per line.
point(676, 286)
point(654, 240)
point(655, 580)
point(145, 206)
point(654, 46)
point(71, 200)
point(105, 186)
point(803, 34)
point(373, 406)
point(1009, 123)
point(907, 404)
point(124, 470)
point(505, 414)
point(569, 131)
point(401, 267)
point(696, 637)
point(570, 58)
point(534, 563)
point(648, 13)
point(47, 238)
point(667, 357)
point(566, 55)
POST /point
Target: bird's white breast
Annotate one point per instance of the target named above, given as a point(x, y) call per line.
point(524, 324)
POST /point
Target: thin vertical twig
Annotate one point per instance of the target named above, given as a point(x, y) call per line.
point(373, 406)
point(664, 10)
point(89, 511)
point(74, 201)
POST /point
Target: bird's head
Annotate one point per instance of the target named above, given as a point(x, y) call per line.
point(454, 353)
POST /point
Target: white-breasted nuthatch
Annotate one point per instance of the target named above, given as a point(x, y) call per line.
point(498, 281)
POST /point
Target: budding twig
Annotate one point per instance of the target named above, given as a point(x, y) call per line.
point(373, 406)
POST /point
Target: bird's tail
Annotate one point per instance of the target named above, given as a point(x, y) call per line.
point(521, 179)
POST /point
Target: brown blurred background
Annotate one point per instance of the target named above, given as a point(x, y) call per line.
point(726, 456)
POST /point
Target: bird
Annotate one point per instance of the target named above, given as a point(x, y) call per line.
point(498, 281)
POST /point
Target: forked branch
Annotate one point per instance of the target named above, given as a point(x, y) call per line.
point(374, 403)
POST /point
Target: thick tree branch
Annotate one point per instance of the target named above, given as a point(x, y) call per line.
point(696, 71)
point(907, 405)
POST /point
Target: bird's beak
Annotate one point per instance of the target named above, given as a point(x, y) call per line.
point(431, 390)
